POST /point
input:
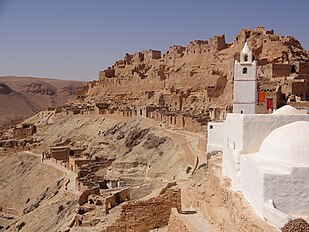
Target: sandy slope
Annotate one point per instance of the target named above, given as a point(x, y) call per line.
point(33, 194)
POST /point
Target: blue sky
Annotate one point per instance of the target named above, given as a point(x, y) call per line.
point(75, 39)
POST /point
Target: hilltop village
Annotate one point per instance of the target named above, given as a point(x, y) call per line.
point(189, 86)
point(164, 142)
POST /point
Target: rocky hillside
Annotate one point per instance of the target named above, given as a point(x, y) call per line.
point(197, 79)
point(32, 196)
point(22, 97)
point(140, 150)
point(143, 158)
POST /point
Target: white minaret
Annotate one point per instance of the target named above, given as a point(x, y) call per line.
point(245, 89)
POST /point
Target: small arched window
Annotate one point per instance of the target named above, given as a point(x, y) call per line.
point(293, 69)
point(245, 71)
point(246, 57)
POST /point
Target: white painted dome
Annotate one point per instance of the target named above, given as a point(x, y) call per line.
point(246, 49)
point(287, 110)
point(287, 144)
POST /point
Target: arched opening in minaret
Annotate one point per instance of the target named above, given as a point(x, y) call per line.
point(245, 57)
point(245, 71)
point(293, 69)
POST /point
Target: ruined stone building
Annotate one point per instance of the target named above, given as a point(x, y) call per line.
point(198, 79)
point(24, 131)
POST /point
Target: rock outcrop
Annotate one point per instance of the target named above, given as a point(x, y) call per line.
point(296, 225)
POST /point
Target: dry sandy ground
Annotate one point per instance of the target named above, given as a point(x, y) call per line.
point(112, 137)
point(33, 196)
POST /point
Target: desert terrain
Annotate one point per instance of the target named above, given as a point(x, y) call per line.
point(128, 151)
point(22, 97)
point(145, 159)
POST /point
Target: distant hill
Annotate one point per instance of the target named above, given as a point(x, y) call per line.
point(22, 97)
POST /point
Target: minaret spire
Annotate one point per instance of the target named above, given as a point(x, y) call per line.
point(245, 89)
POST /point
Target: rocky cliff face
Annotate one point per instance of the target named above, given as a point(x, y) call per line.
point(22, 97)
point(39, 88)
point(5, 90)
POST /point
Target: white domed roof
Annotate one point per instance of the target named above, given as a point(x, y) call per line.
point(246, 49)
point(287, 144)
point(287, 110)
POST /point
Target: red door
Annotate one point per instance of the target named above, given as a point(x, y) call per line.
point(269, 104)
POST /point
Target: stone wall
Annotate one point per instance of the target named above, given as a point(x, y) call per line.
point(301, 89)
point(179, 121)
point(24, 131)
point(116, 198)
point(176, 224)
point(304, 68)
point(226, 209)
point(280, 70)
point(84, 197)
point(60, 153)
point(141, 216)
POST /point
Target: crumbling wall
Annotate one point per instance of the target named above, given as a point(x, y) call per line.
point(60, 153)
point(176, 224)
point(116, 198)
point(301, 89)
point(191, 124)
point(24, 131)
point(140, 216)
point(280, 70)
point(84, 197)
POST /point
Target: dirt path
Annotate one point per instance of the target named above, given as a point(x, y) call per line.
point(200, 224)
point(189, 155)
point(71, 176)
point(190, 143)
point(193, 144)
point(71, 184)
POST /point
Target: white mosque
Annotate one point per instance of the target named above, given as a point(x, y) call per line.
point(266, 156)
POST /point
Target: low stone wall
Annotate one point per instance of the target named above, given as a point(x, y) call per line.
point(141, 216)
point(116, 198)
point(175, 223)
point(84, 197)
point(210, 194)
point(182, 122)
